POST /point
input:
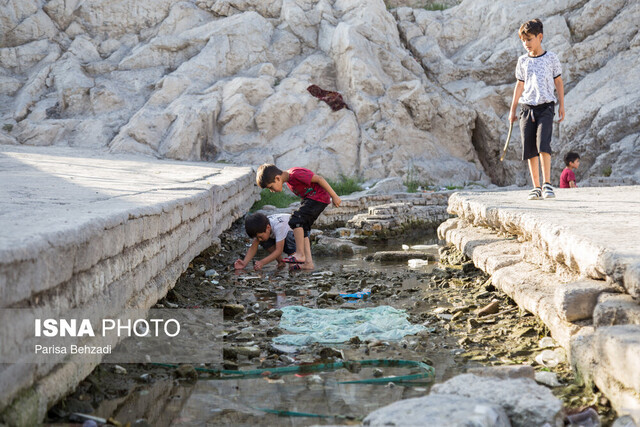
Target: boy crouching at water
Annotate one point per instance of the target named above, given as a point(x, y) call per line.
point(537, 72)
point(316, 194)
point(273, 234)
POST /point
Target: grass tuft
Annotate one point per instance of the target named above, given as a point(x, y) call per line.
point(345, 185)
point(279, 200)
point(342, 186)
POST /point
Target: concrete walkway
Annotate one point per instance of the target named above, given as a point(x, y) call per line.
point(593, 230)
point(575, 263)
point(90, 230)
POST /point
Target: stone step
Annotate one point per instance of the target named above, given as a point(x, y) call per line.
point(591, 231)
point(577, 273)
point(616, 309)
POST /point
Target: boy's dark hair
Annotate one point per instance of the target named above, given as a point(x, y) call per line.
point(531, 28)
point(256, 223)
point(267, 174)
point(570, 157)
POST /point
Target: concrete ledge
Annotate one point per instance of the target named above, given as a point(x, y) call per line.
point(592, 231)
point(573, 263)
point(89, 230)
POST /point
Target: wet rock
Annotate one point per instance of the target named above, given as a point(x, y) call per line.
point(401, 256)
point(248, 351)
point(231, 366)
point(287, 359)
point(439, 410)
point(335, 246)
point(245, 336)
point(491, 308)
point(328, 353)
point(547, 378)
point(119, 370)
point(187, 371)
point(469, 267)
point(230, 310)
point(525, 402)
point(274, 313)
point(355, 341)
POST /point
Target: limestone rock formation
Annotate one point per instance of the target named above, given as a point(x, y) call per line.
point(471, 50)
point(427, 91)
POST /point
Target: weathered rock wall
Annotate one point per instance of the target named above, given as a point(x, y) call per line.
point(101, 235)
point(223, 79)
point(472, 50)
point(227, 80)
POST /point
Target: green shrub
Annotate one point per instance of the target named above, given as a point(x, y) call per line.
point(436, 6)
point(279, 200)
point(606, 171)
point(8, 127)
point(345, 185)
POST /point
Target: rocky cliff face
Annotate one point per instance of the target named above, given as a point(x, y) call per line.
point(428, 91)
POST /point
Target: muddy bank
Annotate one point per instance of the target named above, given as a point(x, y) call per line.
point(467, 323)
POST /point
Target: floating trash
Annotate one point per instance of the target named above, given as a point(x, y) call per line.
point(336, 326)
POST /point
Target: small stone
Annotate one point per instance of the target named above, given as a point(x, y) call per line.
point(377, 373)
point(287, 359)
point(119, 370)
point(210, 273)
point(547, 378)
point(329, 352)
point(187, 371)
point(355, 341)
point(248, 351)
point(230, 310)
point(491, 308)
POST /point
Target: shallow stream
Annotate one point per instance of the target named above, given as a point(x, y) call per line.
point(443, 297)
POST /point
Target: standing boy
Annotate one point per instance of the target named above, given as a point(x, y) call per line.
point(537, 72)
point(273, 234)
point(316, 194)
point(568, 178)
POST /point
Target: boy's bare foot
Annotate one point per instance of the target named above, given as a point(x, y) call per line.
point(308, 266)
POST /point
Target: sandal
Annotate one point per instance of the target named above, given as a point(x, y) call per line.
point(296, 267)
point(292, 260)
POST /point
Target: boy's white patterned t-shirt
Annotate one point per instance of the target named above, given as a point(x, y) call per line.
point(279, 226)
point(538, 74)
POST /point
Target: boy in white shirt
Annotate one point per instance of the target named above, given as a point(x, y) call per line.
point(273, 233)
point(538, 74)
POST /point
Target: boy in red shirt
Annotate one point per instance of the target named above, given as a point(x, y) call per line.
point(568, 178)
point(316, 194)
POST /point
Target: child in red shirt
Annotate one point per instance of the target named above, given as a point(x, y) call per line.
point(568, 178)
point(316, 194)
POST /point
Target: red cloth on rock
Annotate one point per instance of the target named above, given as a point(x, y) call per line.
point(334, 99)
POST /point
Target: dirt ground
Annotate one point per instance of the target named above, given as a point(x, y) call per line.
point(445, 297)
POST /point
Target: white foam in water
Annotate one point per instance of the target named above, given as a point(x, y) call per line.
point(417, 263)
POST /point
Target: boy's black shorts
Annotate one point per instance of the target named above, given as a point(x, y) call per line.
point(306, 215)
point(536, 125)
point(289, 243)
